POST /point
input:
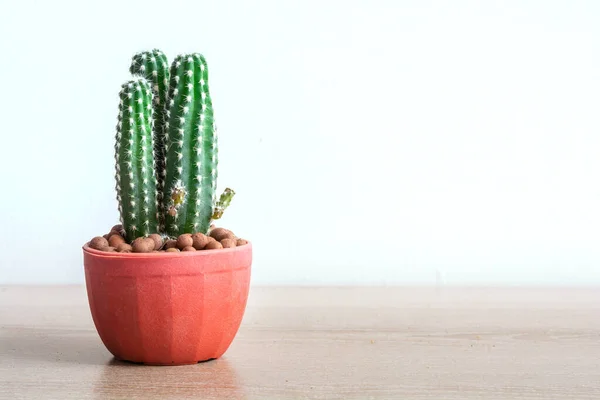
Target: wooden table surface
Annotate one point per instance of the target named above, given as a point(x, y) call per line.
point(325, 343)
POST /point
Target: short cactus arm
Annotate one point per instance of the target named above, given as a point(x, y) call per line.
point(191, 160)
point(136, 181)
point(223, 203)
point(153, 65)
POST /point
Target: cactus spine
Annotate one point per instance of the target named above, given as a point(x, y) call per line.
point(191, 148)
point(153, 65)
point(136, 181)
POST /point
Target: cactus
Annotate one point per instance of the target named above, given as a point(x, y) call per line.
point(223, 203)
point(166, 148)
point(136, 181)
point(153, 65)
point(191, 146)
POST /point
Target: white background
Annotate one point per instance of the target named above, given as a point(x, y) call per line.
point(369, 142)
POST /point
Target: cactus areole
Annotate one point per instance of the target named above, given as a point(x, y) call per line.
point(166, 149)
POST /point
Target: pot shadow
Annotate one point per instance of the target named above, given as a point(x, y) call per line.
point(112, 378)
point(207, 380)
point(53, 345)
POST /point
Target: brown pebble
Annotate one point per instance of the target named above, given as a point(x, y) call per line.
point(184, 240)
point(123, 247)
point(228, 243)
point(110, 249)
point(158, 241)
point(106, 236)
point(169, 244)
point(113, 232)
point(188, 248)
point(114, 240)
point(213, 245)
point(98, 243)
point(241, 242)
point(126, 251)
point(172, 250)
point(222, 233)
point(156, 251)
point(117, 228)
point(150, 243)
point(199, 240)
point(142, 245)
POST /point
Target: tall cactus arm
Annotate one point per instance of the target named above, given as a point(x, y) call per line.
point(136, 181)
point(154, 66)
point(191, 159)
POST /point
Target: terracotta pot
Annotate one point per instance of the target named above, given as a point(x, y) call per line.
point(168, 308)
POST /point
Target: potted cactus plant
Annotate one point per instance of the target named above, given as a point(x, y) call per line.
point(165, 286)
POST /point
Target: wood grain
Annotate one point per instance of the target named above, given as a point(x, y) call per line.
point(325, 343)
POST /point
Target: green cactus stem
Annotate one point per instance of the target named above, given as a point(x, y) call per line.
point(136, 181)
point(153, 66)
point(223, 203)
point(191, 140)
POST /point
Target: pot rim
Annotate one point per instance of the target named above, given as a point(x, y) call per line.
point(138, 256)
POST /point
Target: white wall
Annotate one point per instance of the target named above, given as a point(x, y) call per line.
point(368, 141)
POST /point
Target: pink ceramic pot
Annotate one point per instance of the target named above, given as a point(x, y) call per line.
point(168, 308)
